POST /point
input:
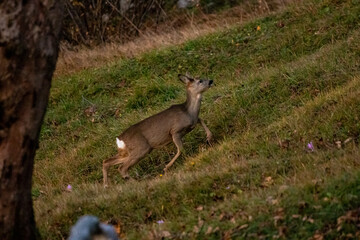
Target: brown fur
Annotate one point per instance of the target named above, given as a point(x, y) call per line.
point(161, 129)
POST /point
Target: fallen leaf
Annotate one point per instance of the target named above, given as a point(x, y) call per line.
point(279, 216)
point(121, 84)
point(284, 143)
point(283, 188)
point(209, 230)
point(117, 113)
point(90, 111)
point(317, 236)
point(200, 222)
point(243, 226)
point(165, 234)
point(279, 211)
point(272, 201)
point(148, 215)
point(280, 24)
point(200, 208)
point(282, 231)
point(227, 235)
point(347, 140)
point(267, 182)
point(303, 205)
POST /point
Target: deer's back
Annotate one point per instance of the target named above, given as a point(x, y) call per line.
point(158, 129)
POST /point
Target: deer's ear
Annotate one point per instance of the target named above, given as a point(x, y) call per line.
point(185, 79)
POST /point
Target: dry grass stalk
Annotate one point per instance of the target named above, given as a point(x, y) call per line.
point(71, 61)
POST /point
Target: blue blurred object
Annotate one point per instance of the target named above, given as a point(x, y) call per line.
point(186, 3)
point(88, 227)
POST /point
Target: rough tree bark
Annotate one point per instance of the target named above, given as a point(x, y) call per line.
point(29, 38)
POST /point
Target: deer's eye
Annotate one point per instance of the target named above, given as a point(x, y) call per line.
point(201, 81)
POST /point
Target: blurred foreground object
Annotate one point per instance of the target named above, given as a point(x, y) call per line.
point(186, 3)
point(89, 228)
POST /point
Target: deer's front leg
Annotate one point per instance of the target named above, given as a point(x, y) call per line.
point(208, 133)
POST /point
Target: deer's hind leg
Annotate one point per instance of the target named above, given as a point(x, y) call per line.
point(117, 159)
point(134, 157)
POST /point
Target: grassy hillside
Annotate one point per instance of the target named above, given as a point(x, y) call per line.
point(283, 81)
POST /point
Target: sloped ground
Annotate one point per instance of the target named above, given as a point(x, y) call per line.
point(283, 81)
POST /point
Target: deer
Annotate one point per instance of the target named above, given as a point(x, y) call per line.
point(160, 130)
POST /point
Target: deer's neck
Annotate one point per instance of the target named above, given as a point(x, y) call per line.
point(192, 104)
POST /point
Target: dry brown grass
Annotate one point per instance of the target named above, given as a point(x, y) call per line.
point(80, 58)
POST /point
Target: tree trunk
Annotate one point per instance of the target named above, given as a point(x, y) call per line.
point(29, 39)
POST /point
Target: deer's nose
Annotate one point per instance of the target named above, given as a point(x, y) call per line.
point(211, 82)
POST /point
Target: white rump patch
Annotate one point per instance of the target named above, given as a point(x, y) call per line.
point(120, 143)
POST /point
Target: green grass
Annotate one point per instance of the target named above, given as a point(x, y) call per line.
point(295, 80)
